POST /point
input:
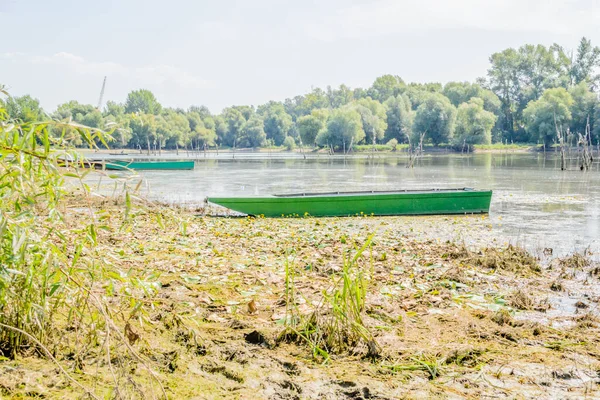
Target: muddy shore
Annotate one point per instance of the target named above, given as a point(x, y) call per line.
point(453, 311)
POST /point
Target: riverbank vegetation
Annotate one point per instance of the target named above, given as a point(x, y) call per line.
point(528, 94)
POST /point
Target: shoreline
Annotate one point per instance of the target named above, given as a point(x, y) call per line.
point(311, 152)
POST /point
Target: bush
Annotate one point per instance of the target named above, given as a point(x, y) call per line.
point(289, 143)
point(393, 144)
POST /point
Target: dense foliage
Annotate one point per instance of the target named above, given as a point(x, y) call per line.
point(525, 91)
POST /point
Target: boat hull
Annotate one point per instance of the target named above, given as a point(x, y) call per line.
point(149, 165)
point(337, 205)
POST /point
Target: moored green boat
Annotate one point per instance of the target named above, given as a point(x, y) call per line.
point(338, 204)
point(145, 165)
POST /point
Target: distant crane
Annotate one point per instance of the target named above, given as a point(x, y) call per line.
point(101, 94)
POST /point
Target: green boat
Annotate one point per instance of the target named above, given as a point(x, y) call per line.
point(341, 204)
point(144, 165)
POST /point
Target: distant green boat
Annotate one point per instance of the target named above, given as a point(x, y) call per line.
point(341, 204)
point(145, 165)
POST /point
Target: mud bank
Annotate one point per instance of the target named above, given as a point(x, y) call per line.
point(454, 312)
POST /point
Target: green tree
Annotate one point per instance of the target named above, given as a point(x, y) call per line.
point(541, 68)
point(115, 118)
point(504, 81)
point(418, 93)
point(84, 114)
point(309, 126)
point(24, 109)
point(399, 118)
point(373, 117)
point(586, 60)
point(173, 129)
point(254, 134)
point(521, 76)
point(344, 128)
point(143, 130)
point(113, 108)
point(246, 111)
point(202, 132)
point(359, 93)
point(435, 117)
point(339, 97)
point(234, 122)
point(473, 124)
point(584, 105)
point(203, 111)
point(314, 100)
point(221, 129)
point(462, 92)
point(386, 86)
point(596, 128)
point(551, 110)
point(142, 101)
point(293, 106)
point(276, 120)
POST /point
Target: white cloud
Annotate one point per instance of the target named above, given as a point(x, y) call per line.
point(144, 75)
point(11, 56)
point(384, 17)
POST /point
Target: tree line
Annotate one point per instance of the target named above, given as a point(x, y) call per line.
point(527, 95)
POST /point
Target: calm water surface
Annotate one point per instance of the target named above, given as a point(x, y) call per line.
point(534, 203)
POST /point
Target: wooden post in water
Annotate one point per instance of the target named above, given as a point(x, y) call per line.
point(585, 140)
point(561, 143)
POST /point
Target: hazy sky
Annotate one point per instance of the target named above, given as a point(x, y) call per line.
point(220, 53)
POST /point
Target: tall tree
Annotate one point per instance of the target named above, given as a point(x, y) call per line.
point(473, 124)
point(277, 122)
point(344, 128)
point(541, 68)
point(24, 108)
point(339, 97)
point(504, 81)
point(399, 118)
point(142, 101)
point(310, 126)
point(173, 130)
point(586, 60)
point(202, 132)
point(254, 134)
point(386, 86)
point(221, 129)
point(462, 92)
point(246, 111)
point(551, 110)
point(596, 128)
point(116, 119)
point(418, 93)
point(234, 122)
point(313, 100)
point(584, 104)
point(373, 117)
point(436, 118)
point(203, 111)
point(143, 129)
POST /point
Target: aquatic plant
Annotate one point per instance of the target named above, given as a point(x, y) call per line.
point(336, 325)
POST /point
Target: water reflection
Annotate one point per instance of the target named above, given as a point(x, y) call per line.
point(533, 200)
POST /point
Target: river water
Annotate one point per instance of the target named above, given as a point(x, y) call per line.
point(534, 203)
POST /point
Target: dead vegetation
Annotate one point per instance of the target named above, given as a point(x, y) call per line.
point(322, 308)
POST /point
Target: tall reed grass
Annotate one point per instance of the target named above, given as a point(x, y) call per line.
point(59, 297)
